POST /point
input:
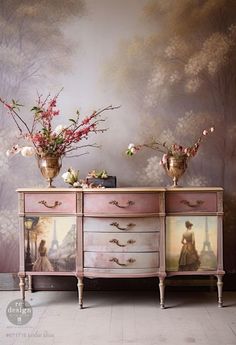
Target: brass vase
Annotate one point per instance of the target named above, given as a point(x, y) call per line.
point(175, 168)
point(50, 167)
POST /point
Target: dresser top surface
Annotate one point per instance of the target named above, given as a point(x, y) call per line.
point(120, 189)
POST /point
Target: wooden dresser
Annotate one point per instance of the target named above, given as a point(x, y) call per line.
point(121, 232)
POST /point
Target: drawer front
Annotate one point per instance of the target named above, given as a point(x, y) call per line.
point(50, 202)
point(122, 225)
point(191, 202)
point(121, 203)
point(121, 260)
point(106, 272)
point(116, 242)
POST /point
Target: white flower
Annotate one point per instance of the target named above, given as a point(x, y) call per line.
point(14, 150)
point(66, 175)
point(27, 151)
point(59, 129)
point(131, 146)
point(76, 184)
point(205, 132)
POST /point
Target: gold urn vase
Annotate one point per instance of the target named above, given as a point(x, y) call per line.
point(175, 168)
point(50, 167)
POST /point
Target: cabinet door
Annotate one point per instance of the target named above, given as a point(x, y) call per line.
point(191, 243)
point(50, 243)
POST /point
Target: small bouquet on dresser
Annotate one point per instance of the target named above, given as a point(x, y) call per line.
point(94, 179)
point(101, 178)
point(175, 157)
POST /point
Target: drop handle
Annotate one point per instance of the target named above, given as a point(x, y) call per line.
point(189, 204)
point(116, 203)
point(129, 261)
point(128, 226)
point(44, 202)
point(115, 241)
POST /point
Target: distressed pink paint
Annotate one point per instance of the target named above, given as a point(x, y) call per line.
point(117, 242)
point(66, 202)
point(191, 202)
point(104, 260)
point(103, 203)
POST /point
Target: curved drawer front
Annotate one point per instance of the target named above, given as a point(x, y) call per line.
point(191, 202)
point(50, 202)
point(106, 272)
point(122, 225)
point(121, 260)
point(121, 203)
point(116, 242)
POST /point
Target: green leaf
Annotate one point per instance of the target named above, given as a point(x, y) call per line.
point(72, 120)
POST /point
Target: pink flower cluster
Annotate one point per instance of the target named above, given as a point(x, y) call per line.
point(48, 141)
point(174, 150)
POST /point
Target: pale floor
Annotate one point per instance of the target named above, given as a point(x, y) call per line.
point(127, 318)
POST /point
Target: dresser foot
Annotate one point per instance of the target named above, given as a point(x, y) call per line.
point(162, 292)
point(220, 290)
point(30, 281)
point(80, 286)
point(22, 287)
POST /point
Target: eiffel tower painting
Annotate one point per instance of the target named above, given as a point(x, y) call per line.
point(54, 244)
point(207, 256)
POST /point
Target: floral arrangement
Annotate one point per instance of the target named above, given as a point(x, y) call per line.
point(174, 150)
point(43, 139)
point(97, 174)
point(71, 177)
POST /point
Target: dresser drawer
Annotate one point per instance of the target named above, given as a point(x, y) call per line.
point(121, 203)
point(147, 224)
point(50, 202)
point(191, 202)
point(121, 260)
point(116, 242)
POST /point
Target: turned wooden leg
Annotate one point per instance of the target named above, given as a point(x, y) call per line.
point(220, 289)
point(22, 287)
point(30, 280)
point(80, 286)
point(162, 292)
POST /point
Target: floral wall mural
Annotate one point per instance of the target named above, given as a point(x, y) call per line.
point(169, 64)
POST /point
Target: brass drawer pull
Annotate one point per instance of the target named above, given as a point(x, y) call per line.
point(187, 203)
point(114, 240)
point(116, 203)
point(129, 261)
point(130, 225)
point(56, 203)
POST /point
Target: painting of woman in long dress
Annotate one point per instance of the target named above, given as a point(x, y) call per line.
point(189, 259)
point(42, 263)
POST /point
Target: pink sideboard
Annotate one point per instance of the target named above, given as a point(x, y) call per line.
point(121, 232)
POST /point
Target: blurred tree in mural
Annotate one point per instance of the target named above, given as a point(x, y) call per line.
point(182, 77)
point(32, 48)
